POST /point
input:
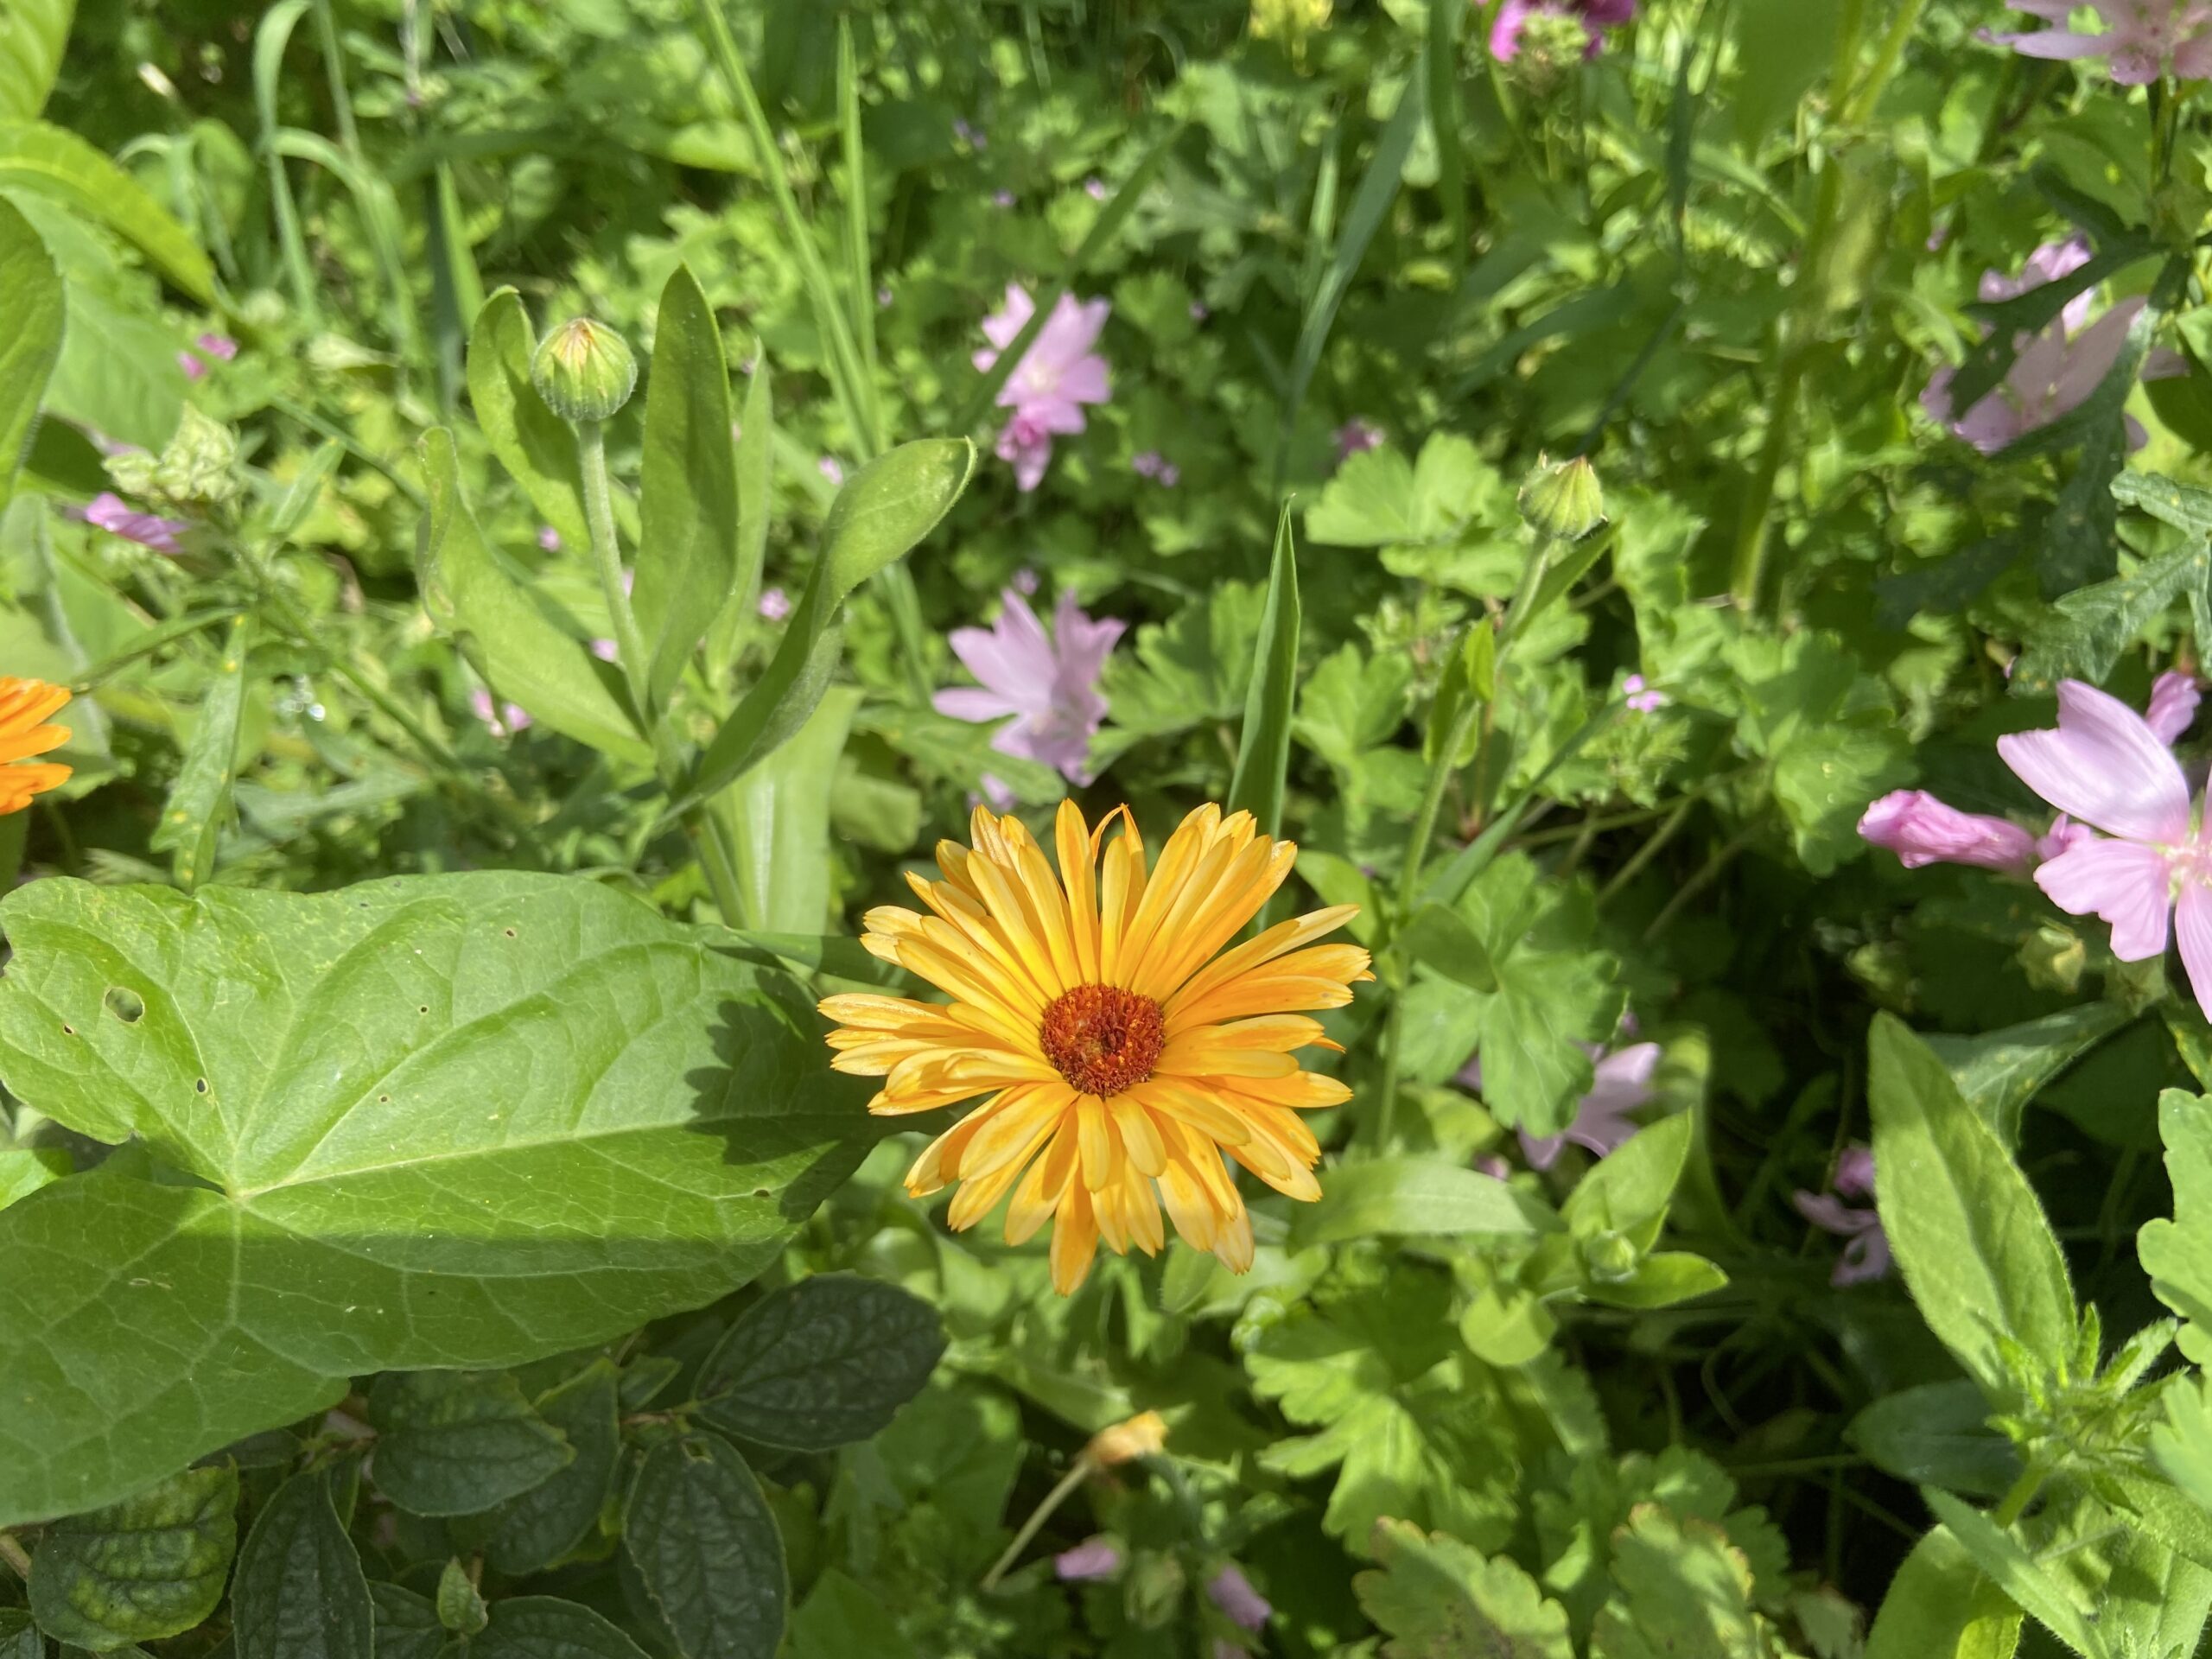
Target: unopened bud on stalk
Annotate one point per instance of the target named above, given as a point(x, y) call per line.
point(1141, 1436)
point(584, 370)
point(1561, 500)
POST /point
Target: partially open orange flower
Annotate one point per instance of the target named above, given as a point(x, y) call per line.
point(1122, 1056)
point(24, 705)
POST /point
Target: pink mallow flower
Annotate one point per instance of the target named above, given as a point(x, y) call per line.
point(222, 347)
point(1641, 698)
point(2142, 40)
point(1231, 1591)
point(1867, 1254)
point(2107, 767)
point(1602, 1120)
point(111, 514)
point(1922, 831)
point(2053, 371)
point(1049, 685)
point(1088, 1562)
point(1594, 16)
point(548, 538)
point(775, 604)
point(1060, 373)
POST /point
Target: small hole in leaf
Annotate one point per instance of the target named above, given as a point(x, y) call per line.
point(762, 1192)
point(383, 1100)
point(425, 1008)
point(511, 932)
point(200, 1085)
point(124, 1004)
point(69, 1030)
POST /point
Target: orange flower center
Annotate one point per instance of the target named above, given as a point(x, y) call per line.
point(1102, 1039)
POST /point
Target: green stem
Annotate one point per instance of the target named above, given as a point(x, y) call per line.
point(12, 1553)
point(1035, 1524)
point(1649, 850)
point(2023, 1493)
point(708, 843)
point(333, 63)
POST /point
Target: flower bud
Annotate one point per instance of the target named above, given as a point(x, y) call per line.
point(1611, 1258)
point(1290, 22)
point(1140, 1437)
point(1562, 501)
point(584, 370)
point(1552, 44)
point(196, 472)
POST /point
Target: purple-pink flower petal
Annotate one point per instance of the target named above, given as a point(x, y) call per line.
point(1921, 830)
point(2104, 765)
point(2117, 881)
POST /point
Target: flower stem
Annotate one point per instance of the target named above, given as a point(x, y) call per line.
point(1035, 1524)
point(2016, 1502)
point(707, 844)
point(13, 1553)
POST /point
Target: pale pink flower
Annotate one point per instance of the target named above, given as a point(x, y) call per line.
point(970, 133)
point(1089, 1560)
point(1602, 1120)
point(1922, 830)
point(606, 649)
point(1199, 312)
point(1060, 373)
point(1002, 198)
point(2106, 766)
point(1867, 1254)
point(504, 719)
point(775, 604)
point(1232, 1593)
point(2142, 40)
point(1095, 188)
point(222, 347)
point(1595, 15)
point(548, 538)
point(831, 468)
point(2054, 370)
point(111, 514)
point(1357, 436)
point(1027, 582)
point(1641, 698)
point(1050, 684)
point(2174, 697)
point(1156, 467)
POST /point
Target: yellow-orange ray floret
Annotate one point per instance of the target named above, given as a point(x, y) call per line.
point(1125, 1051)
point(24, 707)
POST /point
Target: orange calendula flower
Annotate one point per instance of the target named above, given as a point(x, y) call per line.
point(1123, 1050)
point(24, 706)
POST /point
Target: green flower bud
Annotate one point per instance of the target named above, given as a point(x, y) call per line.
point(1552, 45)
point(1609, 1258)
point(1561, 500)
point(584, 370)
point(460, 1607)
point(196, 472)
point(2054, 958)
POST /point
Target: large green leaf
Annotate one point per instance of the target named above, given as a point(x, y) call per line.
point(706, 1548)
point(1939, 1607)
point(881, 516)
point(1417, 1196)
point(2000, 1072)
point(1978, 1255)
point(687, 546)
point(1440, 1598)
point(2032, 1587)
point(44, 158)
point(32, 36)
point(513, 644)
point(459, 1122)
point(821, 1363)
point(460, 1442)
point(31, 300)
point(151, 1566)
point(536, 447)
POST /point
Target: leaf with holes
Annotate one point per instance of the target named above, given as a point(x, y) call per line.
point(821, 1363)
point(453, 1122)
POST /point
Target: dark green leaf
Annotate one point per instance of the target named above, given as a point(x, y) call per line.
point(1440, 938)
point(687, 560)
point(1937, 1435)
point(459, 1442)
point(19, 1637)
point(300, 1593)
point(2092, 625)
point(151, 1566)
point(536, 447)
point(544, 1627)
point(821, 1363)
point(536, 1529)
point(2000, 1072)
point(706, 1547)
point(406, 1624)
point(662, 1122)
point(1976, 1254)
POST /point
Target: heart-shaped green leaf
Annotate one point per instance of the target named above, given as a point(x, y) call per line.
point(453, 1122)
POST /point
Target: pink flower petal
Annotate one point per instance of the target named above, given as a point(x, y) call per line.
point(2193, 928)
point(2103, 765)
point(2174, 697)
point(2118, 883)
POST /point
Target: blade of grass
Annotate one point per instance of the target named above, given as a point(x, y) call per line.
point(861, 276)
point(1444, 120)
point(269, 41)
point(1264, 748)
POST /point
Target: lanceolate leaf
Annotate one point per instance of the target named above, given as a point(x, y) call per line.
point(536, 447)
point(687, 549)
point(300, 1593)
point(513, 644)
point(706, 1547)
point(822, 1363)
point(31, 300)
point(881, 515)
point(151, 1566)
point(458, 1121)
point(1976, 1254)
point(1263, 749)
point(200, 800)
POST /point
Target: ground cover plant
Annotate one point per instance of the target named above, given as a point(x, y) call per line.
point(1105, 827)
